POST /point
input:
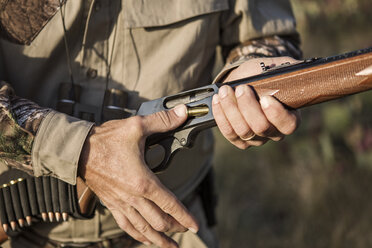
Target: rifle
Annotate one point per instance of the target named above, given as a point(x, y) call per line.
point(298, 85)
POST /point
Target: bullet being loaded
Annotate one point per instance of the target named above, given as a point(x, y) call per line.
point(197, 111)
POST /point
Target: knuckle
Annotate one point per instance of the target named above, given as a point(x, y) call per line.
point(227, 131)
point(250, 93)
point(124, 225)
point(136, 124)
point(169, 208)
point(164, 117)
point(240, 87)
point(225, 87)
point(290, 128)
point(243, 131)
point(142, 228)
point(141, 186)
point(161, 226)
point(262, 128)
point(275, 113)
point(132, 200)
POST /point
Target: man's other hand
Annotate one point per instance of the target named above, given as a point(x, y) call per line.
point(112, 164)
point(246, 121)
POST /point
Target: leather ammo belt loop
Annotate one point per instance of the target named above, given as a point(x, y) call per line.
point(31, 197)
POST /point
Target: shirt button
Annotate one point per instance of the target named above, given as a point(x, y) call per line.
point(92, 73)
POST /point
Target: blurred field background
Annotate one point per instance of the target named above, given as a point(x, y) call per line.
point(314, 189)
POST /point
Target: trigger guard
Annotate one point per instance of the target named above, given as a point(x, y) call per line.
point(169, 148)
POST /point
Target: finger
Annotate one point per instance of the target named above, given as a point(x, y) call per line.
point(169, 204)
point(164, 121)
point(143, 227)
point(126, 226)
point(223, 124)
point(158, 220)
point(252, 111)
point(284, 120)
point(233, 113)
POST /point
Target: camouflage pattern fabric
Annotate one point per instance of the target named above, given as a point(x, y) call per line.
point(21, 21)
point(274, 46)
point(19, 121)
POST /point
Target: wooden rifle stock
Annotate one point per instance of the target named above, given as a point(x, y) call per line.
point(319, 82)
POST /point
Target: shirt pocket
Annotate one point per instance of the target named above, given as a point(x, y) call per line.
point(157, 13)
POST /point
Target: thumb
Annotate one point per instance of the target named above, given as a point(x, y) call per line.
point(164, 121)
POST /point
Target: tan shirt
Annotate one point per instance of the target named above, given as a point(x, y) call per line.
point(153, 48)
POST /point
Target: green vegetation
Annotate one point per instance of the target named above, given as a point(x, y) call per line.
point(312, 189)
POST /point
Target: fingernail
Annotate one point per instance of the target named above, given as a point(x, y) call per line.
point(265, 102)
point(222, 91)
point(147, 243)
point(180, 110)
point(239, 91)
point(215, 99)
point(193, 230)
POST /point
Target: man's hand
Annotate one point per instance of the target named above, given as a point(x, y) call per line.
point(246, 121)
point(112, 164)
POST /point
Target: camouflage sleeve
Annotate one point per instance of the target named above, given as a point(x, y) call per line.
point(22, 20)
point(19, 122)
point(274, 46)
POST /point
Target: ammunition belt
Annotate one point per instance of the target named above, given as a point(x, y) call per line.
point(29, 199)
